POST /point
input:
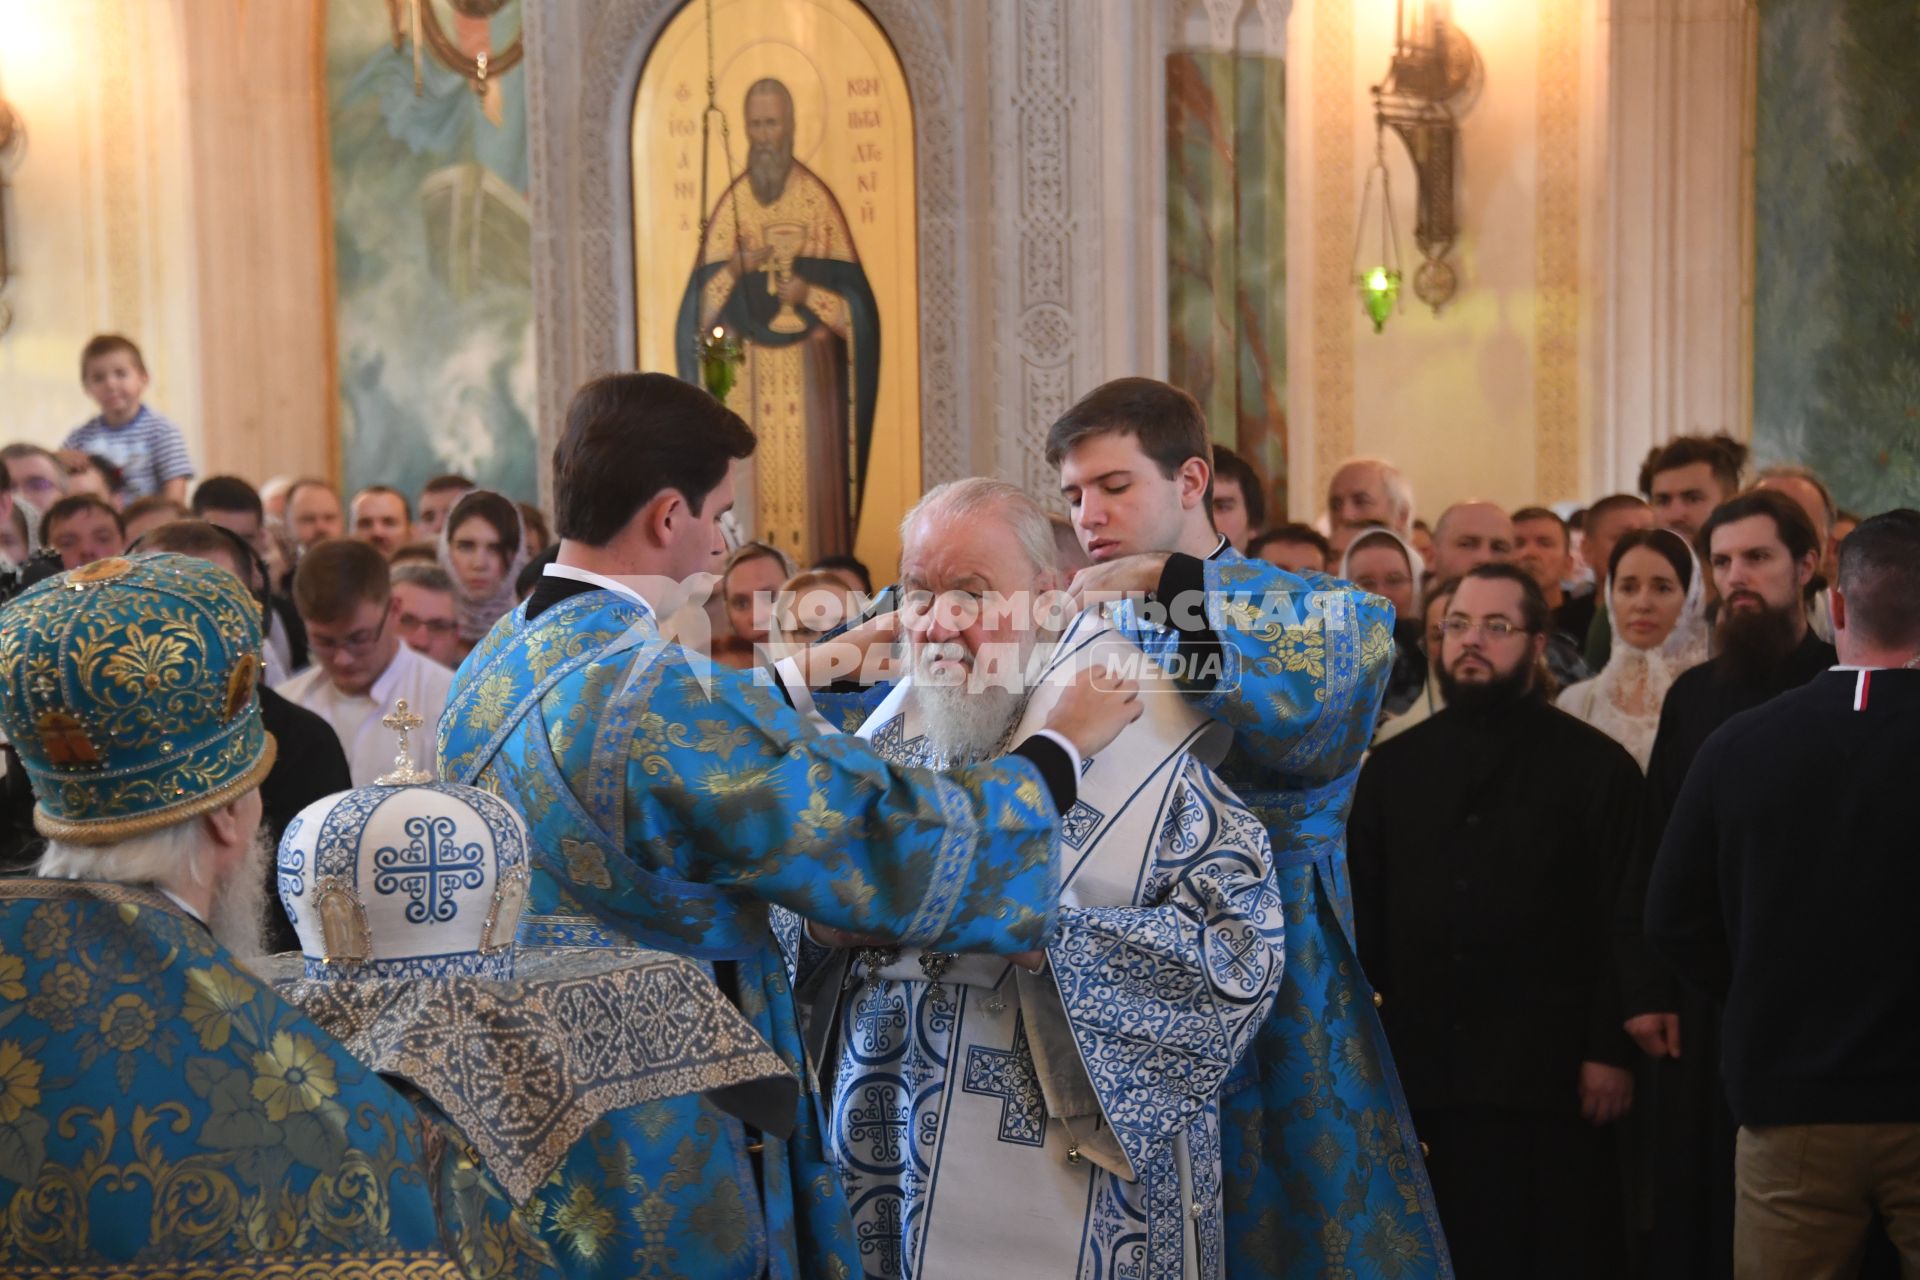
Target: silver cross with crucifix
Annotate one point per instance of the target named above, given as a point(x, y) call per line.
point(403, 722)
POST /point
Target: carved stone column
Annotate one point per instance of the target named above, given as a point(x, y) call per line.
point(1677, 228)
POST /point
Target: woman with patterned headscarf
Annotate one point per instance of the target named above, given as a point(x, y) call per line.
point(483, 546)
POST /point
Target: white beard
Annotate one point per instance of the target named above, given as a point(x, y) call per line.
point(238, 915)
point(967, 714)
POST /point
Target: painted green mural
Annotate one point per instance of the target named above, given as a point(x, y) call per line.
point(432, 251)
point(1837, 270)
point(1226, 252)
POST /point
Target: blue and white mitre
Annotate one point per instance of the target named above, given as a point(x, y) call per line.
point(405, 878)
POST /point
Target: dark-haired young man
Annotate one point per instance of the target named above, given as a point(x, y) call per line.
point(1487, 847)
point(1762, 551)
point(235, 505)
point(1320, 1164)
point(1687, 477)
point(672, 801)
point(437, 497)
point(83, 529)
point(1799, 916)
point(1239, 501)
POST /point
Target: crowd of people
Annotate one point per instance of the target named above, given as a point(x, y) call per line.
point(1589, 961)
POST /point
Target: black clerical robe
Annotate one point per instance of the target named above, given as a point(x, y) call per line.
point(1486, 850)
point(1690, 1161)
point(309, 765)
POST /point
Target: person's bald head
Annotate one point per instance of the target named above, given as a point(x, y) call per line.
point(1367, 491)
point(1470, 534)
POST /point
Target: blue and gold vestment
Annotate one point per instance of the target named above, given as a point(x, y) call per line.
point(164, 1116)
point(1321, 1171)
point(670, 803)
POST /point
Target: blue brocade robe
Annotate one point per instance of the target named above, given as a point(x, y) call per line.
point(670, 802)
point(1322, 1173)
point(1321, 1170)
point(163, 1114)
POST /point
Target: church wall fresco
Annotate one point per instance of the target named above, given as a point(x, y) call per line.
point(432, 235)
point(809, 256)
point(1837, 178)
point(1226, 251)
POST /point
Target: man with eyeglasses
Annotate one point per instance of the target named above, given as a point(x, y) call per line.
point(1486, 847)
point(361, 669)
point(427, 620)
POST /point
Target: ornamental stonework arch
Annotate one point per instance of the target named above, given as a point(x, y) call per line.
point(584, 63)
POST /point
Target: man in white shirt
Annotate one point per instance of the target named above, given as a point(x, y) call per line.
point(360, 667)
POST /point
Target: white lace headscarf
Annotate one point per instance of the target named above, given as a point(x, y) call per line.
point(1624, 700)
point(475, 617)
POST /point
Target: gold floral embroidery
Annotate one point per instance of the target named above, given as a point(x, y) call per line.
point(214, 995)
point(19, 1082)
point(586, 864)
point(294, 1076)
point(12, 970)
point(127, 1023)
point(63, 990)
point(491, 702)
point(145, 661)
point(719, 738)
point(48, 933)
point(582, 1223)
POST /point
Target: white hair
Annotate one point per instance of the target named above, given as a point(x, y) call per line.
point(172, 857)
point(958, 501)
point(178, 857)
point(1399, 489)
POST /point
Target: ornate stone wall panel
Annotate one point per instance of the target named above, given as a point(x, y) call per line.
point(1335, 199)
point(1557, 270)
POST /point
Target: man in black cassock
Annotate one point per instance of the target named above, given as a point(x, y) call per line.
point(1785, 887)
point(1762, 552)
point(1486, 848)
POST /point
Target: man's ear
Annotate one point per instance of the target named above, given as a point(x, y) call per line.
point(1837, 605)
point(1195, 474)
point(665, 517)
point(225, 830)
point(1809, 564)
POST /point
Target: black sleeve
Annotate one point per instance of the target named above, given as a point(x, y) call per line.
point(1185, 578)
point(1684, 925)
point(1615, 828)
point(1367, 871)
point(1056, 769)
point(1646, 984)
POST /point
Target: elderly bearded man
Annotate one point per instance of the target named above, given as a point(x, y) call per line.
point(1053, 1113)
point(161, 1113)
point(1321, 1170)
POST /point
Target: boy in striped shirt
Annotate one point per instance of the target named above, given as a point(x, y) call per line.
point(146, 447)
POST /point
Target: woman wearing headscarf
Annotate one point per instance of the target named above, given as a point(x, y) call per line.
point(1656, 604)
point(1381, 561)
point(483, 547)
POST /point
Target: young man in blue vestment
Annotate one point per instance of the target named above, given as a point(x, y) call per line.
point(163, 1114)
point(672, 802)
point(1322, 1174)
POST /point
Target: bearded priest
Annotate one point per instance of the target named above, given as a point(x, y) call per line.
point(1053, 1113)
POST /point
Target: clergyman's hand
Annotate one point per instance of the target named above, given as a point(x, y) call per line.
point(862, 653)
point(794, 292)
point(1606, 1093)
point(1657, 1034)
point(1125, 578)
point(1094, 709)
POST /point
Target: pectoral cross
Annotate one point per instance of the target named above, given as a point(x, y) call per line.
point(403, 723)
